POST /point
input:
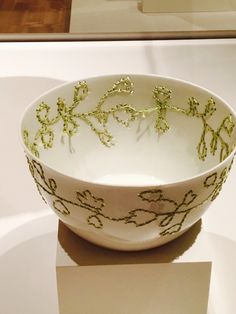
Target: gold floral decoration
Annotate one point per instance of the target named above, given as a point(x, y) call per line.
point(124, 114)
point(168, 214)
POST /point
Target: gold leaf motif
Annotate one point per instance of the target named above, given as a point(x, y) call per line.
point(189, 198)
point(151, 196)
point(224, 152)
point(60, 207)
point(213, 143)
point(161, 94)
point(124, 114)
point(52, 184)
point(140, 217)
point(42, 113)
point(193, 107)
point(162, 125)
point(202, 149)
point(229, 124)
point(37, 166)
point(210, 180)
point(210, 108)
point(47, 137)
point(171, 230)
point(95, 221)
point(88, 199)
point(80, 91)
point(124, 85)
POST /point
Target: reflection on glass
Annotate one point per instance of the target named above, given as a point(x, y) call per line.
point(119, 19)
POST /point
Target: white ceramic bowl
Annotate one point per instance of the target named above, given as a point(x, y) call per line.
point(129, 162)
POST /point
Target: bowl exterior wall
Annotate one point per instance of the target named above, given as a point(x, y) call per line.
point(128, 218)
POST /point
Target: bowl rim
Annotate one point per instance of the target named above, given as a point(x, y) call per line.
point(131, 186)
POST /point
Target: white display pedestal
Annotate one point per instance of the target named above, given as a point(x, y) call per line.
point(93, 280)
point(171, 6)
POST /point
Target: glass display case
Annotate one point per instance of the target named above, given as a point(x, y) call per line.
point(116, 20)
point(46, 43)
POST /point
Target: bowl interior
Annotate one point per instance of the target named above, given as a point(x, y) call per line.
point(130, 130)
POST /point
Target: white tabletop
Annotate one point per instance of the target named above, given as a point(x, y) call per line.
point(28, 229)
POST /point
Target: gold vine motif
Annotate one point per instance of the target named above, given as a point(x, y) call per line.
point(170, 220)
point(124, 114)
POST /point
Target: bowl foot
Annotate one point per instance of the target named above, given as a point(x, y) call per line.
point(115, 243)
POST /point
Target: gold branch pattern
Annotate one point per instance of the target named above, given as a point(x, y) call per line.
point(168, 214)
point(124, 114)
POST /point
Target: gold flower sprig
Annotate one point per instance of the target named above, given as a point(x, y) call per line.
point(167, 213)
point(162, 95)
point(124, 113)
point(69, 115)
